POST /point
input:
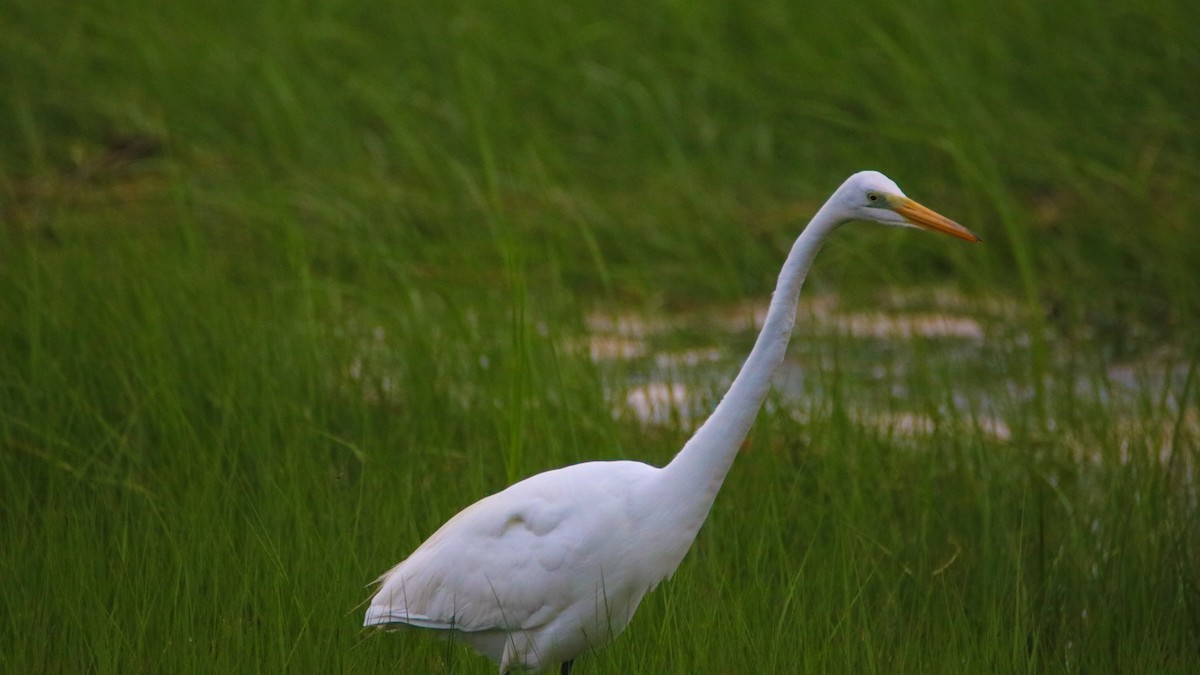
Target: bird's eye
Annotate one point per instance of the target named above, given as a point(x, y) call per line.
point(872, 197)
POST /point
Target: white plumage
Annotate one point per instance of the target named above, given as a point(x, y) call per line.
point(557, 564)
point(560, 554)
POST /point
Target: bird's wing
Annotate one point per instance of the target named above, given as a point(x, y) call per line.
point(515, 559)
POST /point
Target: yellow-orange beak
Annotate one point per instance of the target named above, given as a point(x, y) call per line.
point(929, 219)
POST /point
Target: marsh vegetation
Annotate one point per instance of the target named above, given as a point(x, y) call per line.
point(284, 285)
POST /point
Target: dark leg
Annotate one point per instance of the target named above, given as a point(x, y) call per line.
point(566, 667)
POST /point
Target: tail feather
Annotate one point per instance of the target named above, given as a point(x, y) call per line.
point(379, 615)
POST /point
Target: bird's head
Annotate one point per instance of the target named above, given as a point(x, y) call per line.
point(870, 195)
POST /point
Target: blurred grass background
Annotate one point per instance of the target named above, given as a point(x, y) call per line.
point(285, 284)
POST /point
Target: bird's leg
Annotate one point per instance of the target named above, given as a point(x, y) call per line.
point(566, 667)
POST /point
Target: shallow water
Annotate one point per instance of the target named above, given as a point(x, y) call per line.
point(924, 358)
point(921, 362)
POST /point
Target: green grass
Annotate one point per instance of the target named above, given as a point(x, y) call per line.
point(333, 299)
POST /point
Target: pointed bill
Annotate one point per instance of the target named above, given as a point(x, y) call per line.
point(929, 219)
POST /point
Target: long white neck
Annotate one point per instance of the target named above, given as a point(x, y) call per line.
point(691, 481)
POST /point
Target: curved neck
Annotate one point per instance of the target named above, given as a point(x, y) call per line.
point(695, 474)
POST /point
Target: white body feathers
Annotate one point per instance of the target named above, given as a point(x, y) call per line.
point(534, 575)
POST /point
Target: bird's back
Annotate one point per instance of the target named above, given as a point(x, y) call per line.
point(536, 573)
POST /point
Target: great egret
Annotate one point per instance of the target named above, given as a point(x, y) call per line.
point(556, 564)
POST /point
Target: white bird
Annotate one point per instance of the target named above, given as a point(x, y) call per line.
point(556, 564)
